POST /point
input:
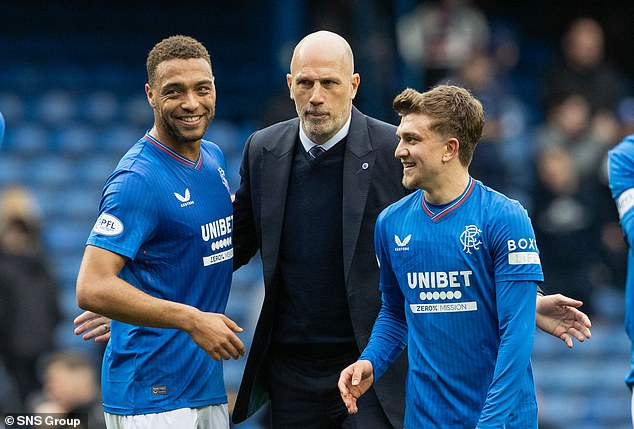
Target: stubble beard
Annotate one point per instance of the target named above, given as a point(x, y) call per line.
point(318, 130)
point(410, 182)
point(178, 136)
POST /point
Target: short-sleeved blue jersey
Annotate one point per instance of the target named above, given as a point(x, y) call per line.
point(621, 175)
point(172, 218)
point(463, 277)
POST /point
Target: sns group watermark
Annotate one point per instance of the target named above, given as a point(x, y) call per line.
point(43, 421)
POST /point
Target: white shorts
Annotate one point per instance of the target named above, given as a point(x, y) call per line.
point(209, 417)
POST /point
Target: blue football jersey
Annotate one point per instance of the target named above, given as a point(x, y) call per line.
point(172, 218)
point(621, 175)
point(463, 277)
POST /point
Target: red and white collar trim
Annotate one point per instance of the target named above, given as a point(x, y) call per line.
point(451, 206)
point(173, 154)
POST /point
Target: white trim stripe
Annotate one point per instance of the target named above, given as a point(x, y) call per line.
point(625, 201)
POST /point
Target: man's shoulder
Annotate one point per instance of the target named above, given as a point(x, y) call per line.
point(379, 125)
point(373, 125)
point(381, 134)
point(402, 205)
point(624, 149)
point(276, 130)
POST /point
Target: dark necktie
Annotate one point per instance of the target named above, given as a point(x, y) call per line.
point(315, 151)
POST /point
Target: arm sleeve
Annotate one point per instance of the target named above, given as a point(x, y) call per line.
point(621, 178)
point(128, 204)
point(389, 335)
point(516, 316)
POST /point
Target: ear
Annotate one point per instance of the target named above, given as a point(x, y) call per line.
point(355, 81)
point(150, 96)
point(451, 149)
point(289, 83)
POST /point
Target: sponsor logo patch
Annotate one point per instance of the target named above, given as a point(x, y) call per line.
point(625, 202)
point(184, 199)
point(108, 224)
point(218, 257)
point(453, 307)
point(524, 258)
point(402, 244)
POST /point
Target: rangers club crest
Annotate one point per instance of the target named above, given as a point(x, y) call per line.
point(470, 238)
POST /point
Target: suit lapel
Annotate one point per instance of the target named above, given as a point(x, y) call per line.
point(357, 171)
point(277, 158)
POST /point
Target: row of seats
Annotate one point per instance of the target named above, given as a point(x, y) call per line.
point(584, 387)
point(62, 122)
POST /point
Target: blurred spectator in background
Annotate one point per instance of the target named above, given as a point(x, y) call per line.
point(499, 161)
point(438, 37)
point(625, 114)
point(583, 69)
point(569, 125)
point(28, 290)
point(566, 225)
point(478, 75)
point(71, 388)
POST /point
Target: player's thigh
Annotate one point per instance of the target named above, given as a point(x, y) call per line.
point(209, 417)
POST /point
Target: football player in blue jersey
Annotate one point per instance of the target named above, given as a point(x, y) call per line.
point(459, 270)
point(556, 314)
point(621, 175)
point(158, 260)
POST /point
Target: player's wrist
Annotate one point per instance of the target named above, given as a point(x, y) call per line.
point(186, 318)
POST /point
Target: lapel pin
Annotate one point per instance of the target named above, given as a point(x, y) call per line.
point(364, 166)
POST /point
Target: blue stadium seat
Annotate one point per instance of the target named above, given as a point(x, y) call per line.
point(137, 112)
point(13, 169)
point(57, 107)
point(26, 139)
point(226, 135)
point(12, 107)
point(51, 171)
point(101, 107)
point(583, 387)
point(66, 268)
point(75, 140)
point(94, 171)
point(117, 139)
point(80, 204)
point(63, 238)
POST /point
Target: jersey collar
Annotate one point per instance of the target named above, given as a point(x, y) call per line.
point(196, 165)
point(452, 205)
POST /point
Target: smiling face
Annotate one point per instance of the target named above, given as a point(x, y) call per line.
point(421, 151)
point(183, 97)
point(322, 84)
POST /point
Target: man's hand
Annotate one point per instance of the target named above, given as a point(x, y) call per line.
point(354, 381)
point(92, 325)
point(558, 316)
point(215, 334)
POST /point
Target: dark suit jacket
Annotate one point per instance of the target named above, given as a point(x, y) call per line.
point(371, 181)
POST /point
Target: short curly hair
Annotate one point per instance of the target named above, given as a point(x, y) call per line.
point(174, 47)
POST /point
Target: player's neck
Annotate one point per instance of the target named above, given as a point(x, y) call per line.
point(449, 188)
point(189, 150)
